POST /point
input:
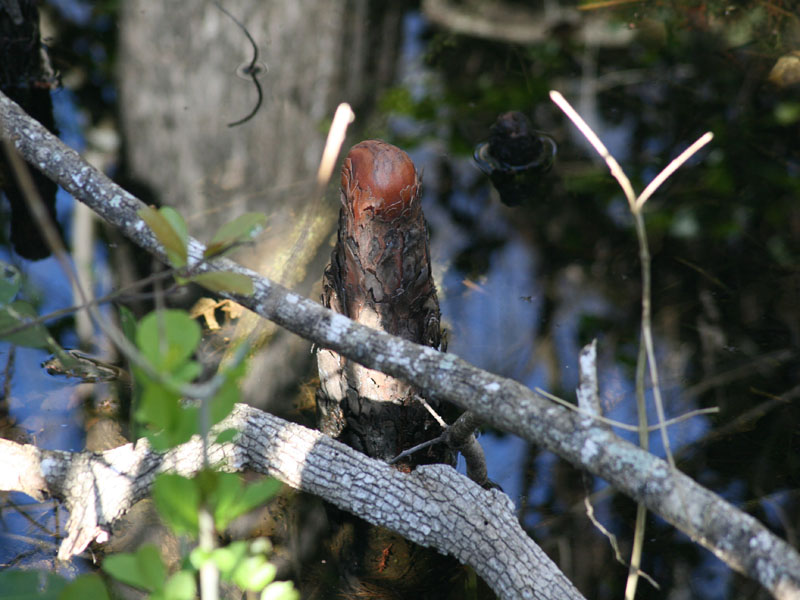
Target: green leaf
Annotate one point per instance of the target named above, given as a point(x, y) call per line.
point(170, 230)
point(226, 559)
point(187, 372)
point(280, 590)
point(159, 407)
point(143, 569)
point(227, 436)
point(230, 502)
point(83, 587)
point(10, 282)
point(176, 220)
point(16, 314)
point(254, 573)
point(258, 492)
point(241, 229)
point(127, 322)
point(30, 585)
point(187, 425)
point(223, 499)
point(151, 566)
point(181, 586)
point(225, 281)
point(223, 401)
point(198, 557)
point(228, 393)
point(178, 502)
point(167, 338)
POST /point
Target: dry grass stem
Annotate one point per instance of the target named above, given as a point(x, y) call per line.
point(599, 146)
point(625, 426)
point(671, 168)
point(341, 119)
point(647, 348)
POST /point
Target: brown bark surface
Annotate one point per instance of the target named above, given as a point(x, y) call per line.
point(380, 276)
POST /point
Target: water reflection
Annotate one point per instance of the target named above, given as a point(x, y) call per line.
point(516, 158)
point(524, 288)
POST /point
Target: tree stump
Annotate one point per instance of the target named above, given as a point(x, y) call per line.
point(380, 275)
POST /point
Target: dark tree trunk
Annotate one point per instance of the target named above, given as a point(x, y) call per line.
point(26, 79)
point(380, 276)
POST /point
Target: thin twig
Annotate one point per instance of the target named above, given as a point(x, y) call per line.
point(599, 146)
point(647, 331)
point(120, 294)
point(647, 347)
point(671, 168)
point(409, 451)
point(644, 442)
point(613, 540)
point(333, 144)
point(625, 426)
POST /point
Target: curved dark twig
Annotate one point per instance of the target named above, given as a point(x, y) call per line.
point(251, 68)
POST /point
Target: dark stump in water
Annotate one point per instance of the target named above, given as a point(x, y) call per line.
point(380, 275)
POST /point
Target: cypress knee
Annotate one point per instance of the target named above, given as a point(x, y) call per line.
point(380, 276)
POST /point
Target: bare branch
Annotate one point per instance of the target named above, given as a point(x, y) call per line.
point(433, 506)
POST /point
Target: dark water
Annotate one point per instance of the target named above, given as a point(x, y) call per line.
point(524, 288)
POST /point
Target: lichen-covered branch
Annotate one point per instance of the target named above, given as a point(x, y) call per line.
point(734, 536)
point(433, 506)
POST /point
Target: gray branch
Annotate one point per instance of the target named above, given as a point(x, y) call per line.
point(732, 535)
point(433, 506)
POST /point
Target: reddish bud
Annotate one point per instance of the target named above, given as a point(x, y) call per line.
point(378, 180)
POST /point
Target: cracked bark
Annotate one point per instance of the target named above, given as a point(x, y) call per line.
point(426, 506)
point(733, 536)
point(380, 276)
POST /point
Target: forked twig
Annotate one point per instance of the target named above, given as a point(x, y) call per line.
point(636, 204)
point(671, 168)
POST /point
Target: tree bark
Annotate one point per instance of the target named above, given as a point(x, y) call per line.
point(181, 85)
point(733, 536)
point(380, 276)
point(434, 506)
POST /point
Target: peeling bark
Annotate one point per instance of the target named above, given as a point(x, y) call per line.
point(379, 276)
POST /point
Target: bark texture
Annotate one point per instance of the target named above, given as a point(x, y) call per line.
point(380, 276)
point(434, 506)
point(181, 85)
point(735, 537)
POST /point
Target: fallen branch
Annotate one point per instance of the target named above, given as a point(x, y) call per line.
point(433, 506)
point(732, 535)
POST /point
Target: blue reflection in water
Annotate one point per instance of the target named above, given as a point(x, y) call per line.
point(44, 409)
